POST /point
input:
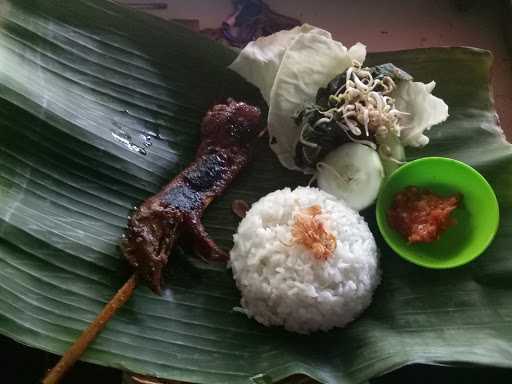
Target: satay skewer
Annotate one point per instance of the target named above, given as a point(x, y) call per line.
point(228, 133)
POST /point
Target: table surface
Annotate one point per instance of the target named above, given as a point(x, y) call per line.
point(398, 25)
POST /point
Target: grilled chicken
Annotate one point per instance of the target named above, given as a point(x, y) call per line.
point(228, 132)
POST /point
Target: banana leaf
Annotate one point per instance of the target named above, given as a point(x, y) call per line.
point(100, 106)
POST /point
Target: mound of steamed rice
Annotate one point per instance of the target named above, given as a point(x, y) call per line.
point(283, 283)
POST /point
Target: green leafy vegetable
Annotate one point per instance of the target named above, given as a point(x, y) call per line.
point(324, 125)
point(82, 86)
point(378, 106)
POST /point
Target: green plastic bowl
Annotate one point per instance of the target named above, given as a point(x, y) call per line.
point(477, 215)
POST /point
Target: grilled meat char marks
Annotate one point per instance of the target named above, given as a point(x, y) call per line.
point(228, 132)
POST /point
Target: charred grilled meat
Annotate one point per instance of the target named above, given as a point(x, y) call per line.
point(228, 132)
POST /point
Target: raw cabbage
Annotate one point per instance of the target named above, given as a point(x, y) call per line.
point(260, 60)
point(425, 110)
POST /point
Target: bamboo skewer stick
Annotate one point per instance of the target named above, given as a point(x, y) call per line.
point(88, 335)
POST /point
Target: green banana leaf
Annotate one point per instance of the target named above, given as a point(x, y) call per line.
point(100, 106)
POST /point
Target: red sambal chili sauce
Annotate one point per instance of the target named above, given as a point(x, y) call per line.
point(420, 215)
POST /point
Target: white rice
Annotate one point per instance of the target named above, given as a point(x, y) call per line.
point(283, 284)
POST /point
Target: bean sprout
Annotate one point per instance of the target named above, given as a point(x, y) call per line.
point(362, 107)
point(364, 102)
